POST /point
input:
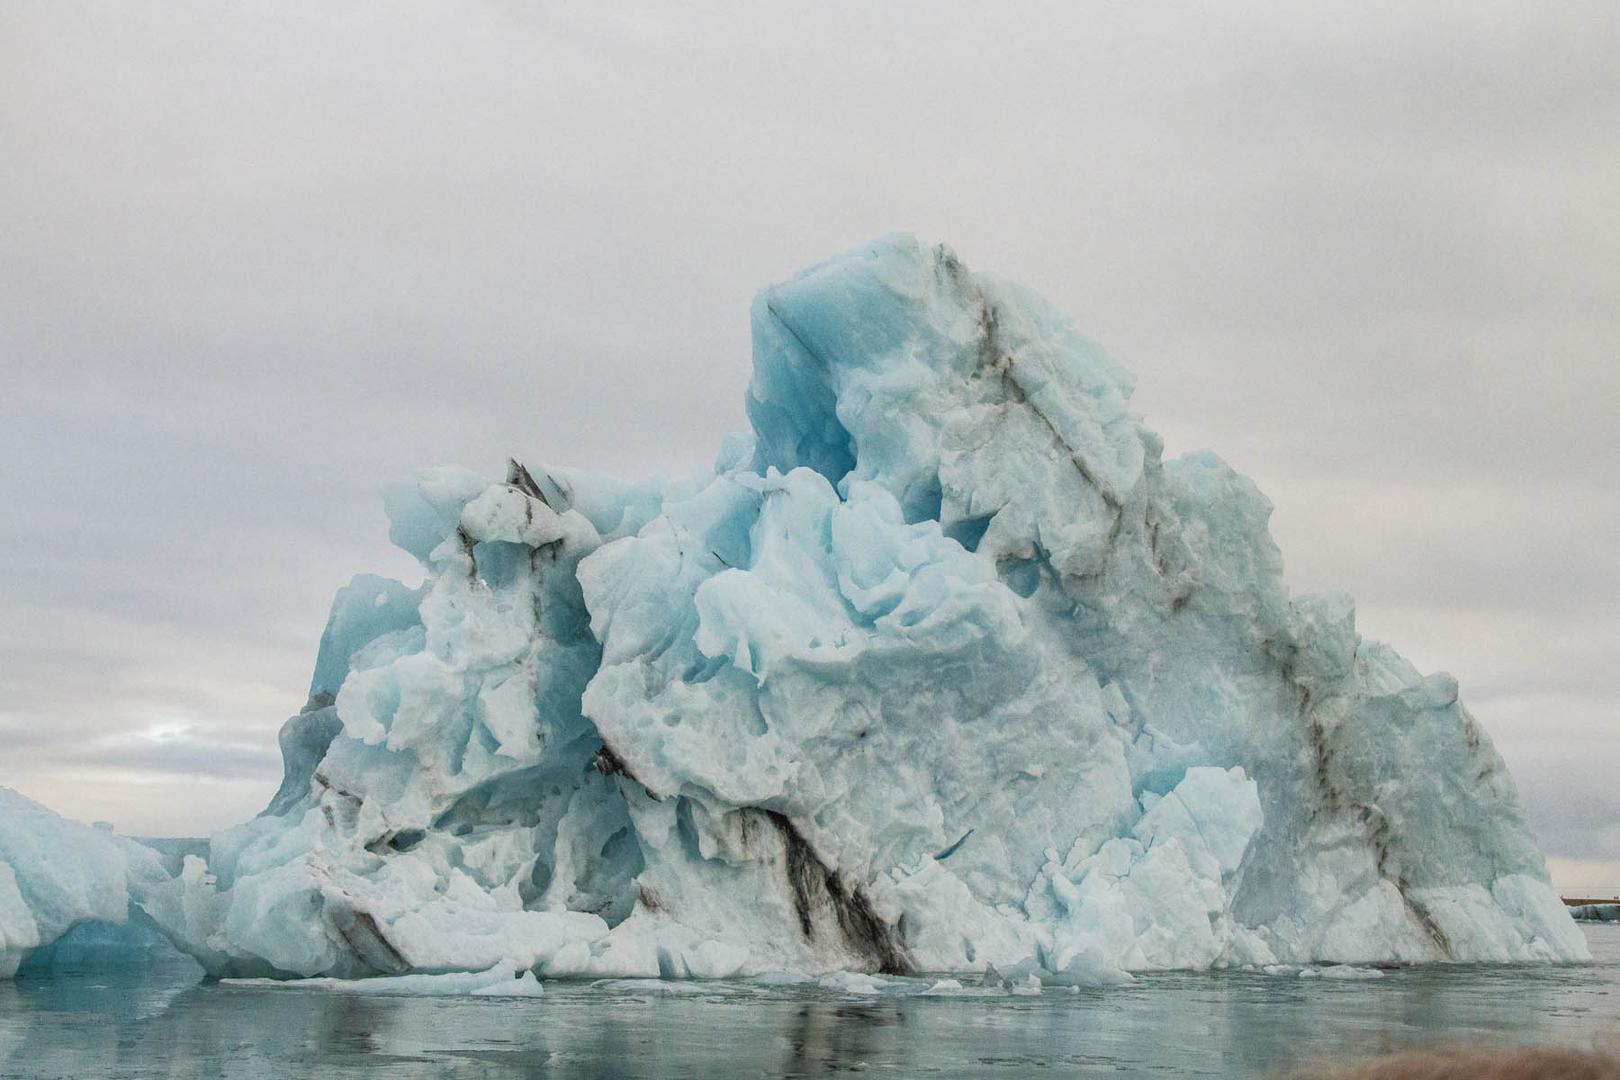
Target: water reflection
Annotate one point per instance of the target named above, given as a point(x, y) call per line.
point(166, 1024)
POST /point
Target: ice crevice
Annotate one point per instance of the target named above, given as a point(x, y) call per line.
point(942, 667)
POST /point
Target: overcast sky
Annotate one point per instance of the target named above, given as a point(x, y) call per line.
point(258, 259)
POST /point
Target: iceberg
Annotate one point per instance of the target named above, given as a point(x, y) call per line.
point(942, 668)
point(58, 876)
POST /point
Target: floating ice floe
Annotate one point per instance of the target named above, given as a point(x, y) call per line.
point(1340, 971)
point(502, 980)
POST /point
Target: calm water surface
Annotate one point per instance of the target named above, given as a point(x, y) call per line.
point(168, 1024)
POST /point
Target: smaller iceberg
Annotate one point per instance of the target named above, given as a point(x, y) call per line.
point(58, 876)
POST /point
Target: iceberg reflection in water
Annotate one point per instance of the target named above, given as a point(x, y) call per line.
point(164, 1023)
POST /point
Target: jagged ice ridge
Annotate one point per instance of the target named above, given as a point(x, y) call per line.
point(941, 668)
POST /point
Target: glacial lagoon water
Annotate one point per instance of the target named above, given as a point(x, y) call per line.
point(166, 1022)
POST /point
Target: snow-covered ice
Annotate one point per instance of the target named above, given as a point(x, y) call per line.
point(941, 667)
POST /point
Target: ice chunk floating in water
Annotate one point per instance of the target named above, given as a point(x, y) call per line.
point(942, 668)
point(57, 874)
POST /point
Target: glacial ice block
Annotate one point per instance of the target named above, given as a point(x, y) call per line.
point(57, 874)
point(942, 667)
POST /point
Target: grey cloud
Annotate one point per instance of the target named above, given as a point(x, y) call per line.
point(183, 758)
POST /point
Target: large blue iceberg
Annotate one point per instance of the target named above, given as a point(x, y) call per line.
point(943, 667)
